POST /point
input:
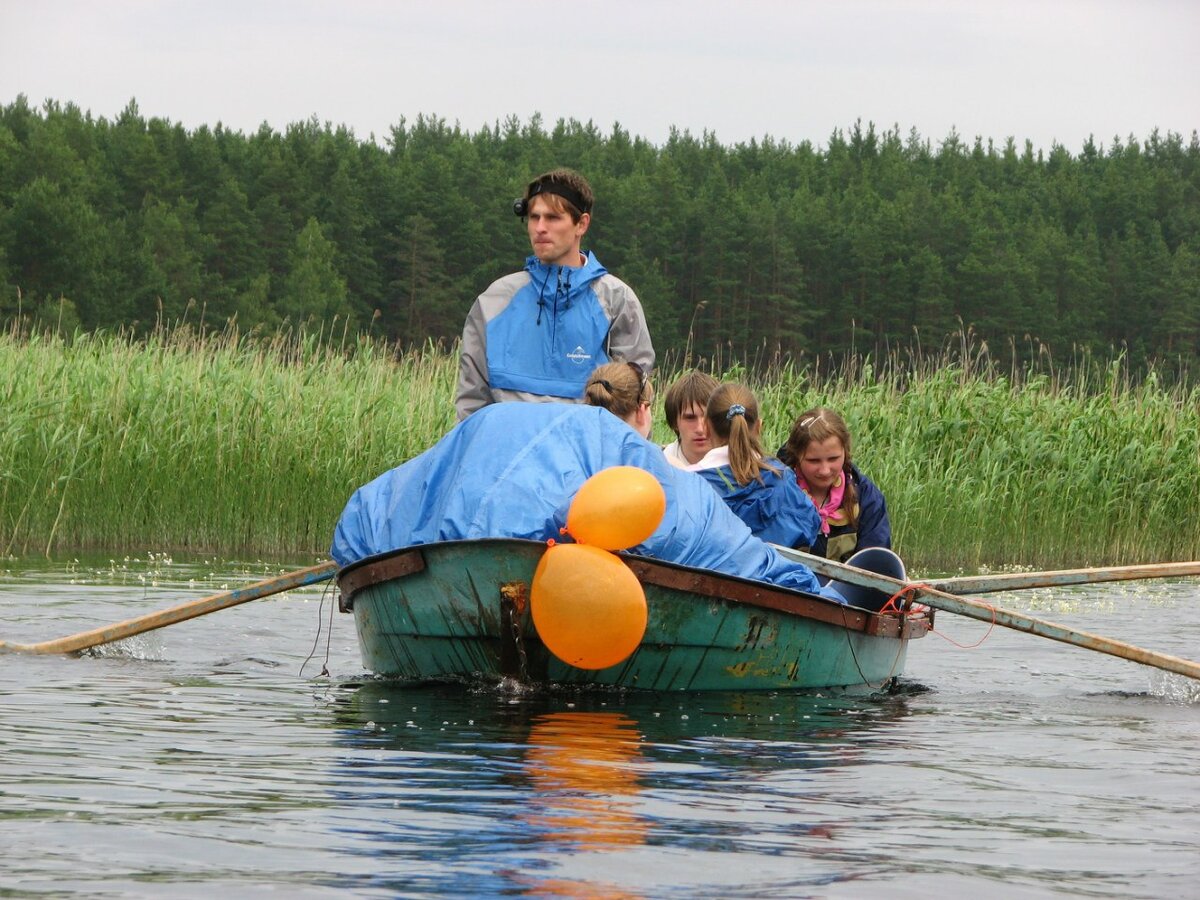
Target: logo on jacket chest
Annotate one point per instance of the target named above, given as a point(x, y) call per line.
point(579, 356)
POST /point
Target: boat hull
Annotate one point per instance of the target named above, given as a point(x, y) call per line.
point(460, 610)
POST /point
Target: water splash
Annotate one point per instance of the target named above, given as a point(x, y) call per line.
point(1175, 688)
point(141, 647)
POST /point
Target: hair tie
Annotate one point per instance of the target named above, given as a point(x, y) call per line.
point(735, 410)
point(604, 384)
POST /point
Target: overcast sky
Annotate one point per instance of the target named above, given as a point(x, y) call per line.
point(1042, 71)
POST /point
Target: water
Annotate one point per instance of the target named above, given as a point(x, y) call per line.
point(212, 758)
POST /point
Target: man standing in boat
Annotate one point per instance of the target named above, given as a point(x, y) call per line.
point(538, 334)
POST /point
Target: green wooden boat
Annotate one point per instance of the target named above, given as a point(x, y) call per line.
point(459, 610)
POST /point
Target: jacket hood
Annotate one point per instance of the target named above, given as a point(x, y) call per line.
point(577, 276)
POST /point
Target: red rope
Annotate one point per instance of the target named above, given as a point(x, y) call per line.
point(909, 592)
point(894, 604)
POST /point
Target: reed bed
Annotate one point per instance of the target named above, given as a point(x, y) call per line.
point(212, 443)
point(221, 443)
point(983, 469)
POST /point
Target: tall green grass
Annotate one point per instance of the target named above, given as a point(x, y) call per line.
point(1046, 469)
point(225, 444)
point(212, 443)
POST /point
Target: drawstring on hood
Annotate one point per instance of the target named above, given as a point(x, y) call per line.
point(553, 332)
point(562, 288)
point(542, 297)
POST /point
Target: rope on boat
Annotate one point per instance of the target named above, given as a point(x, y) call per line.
point(854, 656)
point(897, 604)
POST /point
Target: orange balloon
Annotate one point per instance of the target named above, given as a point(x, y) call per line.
point(588, 608)
point(617, 508)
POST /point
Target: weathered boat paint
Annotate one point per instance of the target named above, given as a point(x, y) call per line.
point(460, 610)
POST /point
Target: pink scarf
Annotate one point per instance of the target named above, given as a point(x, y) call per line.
point(831, 511)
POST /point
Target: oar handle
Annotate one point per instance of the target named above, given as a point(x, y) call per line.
point(130, 627)
point(985, 612)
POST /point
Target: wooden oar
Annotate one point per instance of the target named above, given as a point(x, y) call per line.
point(987, 613)
point(1015, 581)
point(181, 613)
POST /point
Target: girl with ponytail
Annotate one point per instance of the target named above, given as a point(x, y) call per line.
point(625, 391)
point(760, 489)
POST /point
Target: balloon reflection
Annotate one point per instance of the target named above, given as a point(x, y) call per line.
point(584, 770)
point(578, 794)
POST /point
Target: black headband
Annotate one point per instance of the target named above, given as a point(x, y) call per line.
point(568, 193)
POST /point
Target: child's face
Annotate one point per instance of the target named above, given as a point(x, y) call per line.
point(693, 433)
point(821, 463)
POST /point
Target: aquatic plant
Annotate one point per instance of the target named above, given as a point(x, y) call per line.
point(230, 443)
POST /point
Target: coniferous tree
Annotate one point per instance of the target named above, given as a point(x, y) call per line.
point(424, 302)
point(1177, 330)
point(313, 290)
point(869, 240)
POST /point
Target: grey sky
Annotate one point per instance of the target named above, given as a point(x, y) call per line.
point(1044, 71)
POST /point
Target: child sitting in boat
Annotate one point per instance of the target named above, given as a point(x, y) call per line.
point(684, 405)
point(760, 490)
point(852, 509)
point(625, 391)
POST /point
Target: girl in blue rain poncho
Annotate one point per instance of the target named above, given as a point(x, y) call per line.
point(760, 490)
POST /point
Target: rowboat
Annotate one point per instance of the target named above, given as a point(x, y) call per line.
point(459, 610)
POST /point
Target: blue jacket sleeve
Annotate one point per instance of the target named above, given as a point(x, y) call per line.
point(806, 521)
point(776, 509)
point(789, 516)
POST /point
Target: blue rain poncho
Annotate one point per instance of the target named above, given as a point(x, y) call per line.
point(511, 470)
point(772, 505)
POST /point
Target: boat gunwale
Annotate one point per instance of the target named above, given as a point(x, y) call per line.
point(404, 561)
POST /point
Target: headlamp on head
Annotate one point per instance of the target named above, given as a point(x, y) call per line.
point(521, 204)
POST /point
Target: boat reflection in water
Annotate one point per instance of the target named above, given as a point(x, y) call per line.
point(467, 791)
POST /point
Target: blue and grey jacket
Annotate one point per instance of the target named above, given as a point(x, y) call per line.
point(539, 333)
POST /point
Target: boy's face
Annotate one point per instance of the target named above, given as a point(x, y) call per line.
point(555, 238)
point(693, 433)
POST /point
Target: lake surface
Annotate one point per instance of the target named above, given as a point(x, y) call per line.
point(213, 758)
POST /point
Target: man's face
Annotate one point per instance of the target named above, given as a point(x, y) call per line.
point(554, 237)
point(693, 433)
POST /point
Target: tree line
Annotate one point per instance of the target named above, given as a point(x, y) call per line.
point(760, 248)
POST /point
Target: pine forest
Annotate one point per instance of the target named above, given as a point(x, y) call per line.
point(761, 250)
